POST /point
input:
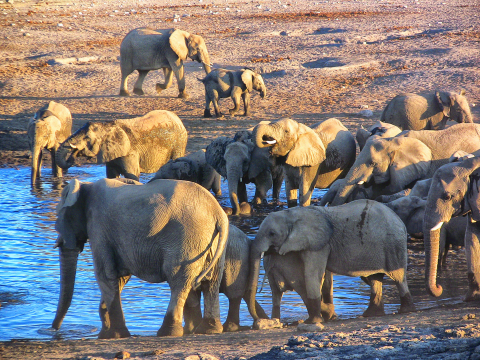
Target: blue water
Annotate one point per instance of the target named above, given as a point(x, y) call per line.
point(29, 270)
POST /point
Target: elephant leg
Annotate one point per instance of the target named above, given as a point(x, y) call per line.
point(315, 265)
point(291, 194)
point(214, 96)
point(124, 82)
point(112, 170)
point(233, 318)
point(472, 252)
point(208, 101)
point(168, 80)
point(263, 182)
point(137, 88)
point(235, 95)
point(192, 312)
point(246, 103)
point(327, 307)
point(375, 308)
point(308, 179)
point(56, 170)
point(277, 295)
point(107, 332)
point(245, 207)
point(129, 166)
point(172, 322)
point(179, 72)
point(406, 300)
point(277, 186)
point(217, 186)
point(211, 323)
point(40, 162)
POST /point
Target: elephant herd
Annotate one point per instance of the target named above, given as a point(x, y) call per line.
point(415, 173)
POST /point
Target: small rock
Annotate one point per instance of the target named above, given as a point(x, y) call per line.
point(26, 34)
point(310, 327)
point(366, 113)
point(122, 355)
point(201, 356)
point(265, 324)
point(284, 33)
point(468, 317)
point(156, 352)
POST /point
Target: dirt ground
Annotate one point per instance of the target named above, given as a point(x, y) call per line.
point(319, 59)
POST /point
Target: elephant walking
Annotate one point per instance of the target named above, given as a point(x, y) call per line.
point(127, 146)
point(166, 230)
point(48, 128)
point(146, 49)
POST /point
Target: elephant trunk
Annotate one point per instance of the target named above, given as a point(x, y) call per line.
point(205, 59)
point(255, 256)
point(355, 177)
point(234, 178)
point(432, 245)
point(263, 92)
point(262, 136)
point(68, 270)
point(64, 156)
point(36, 162)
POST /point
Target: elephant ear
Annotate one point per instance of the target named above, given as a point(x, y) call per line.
point(178, 43)
point(445, 101)
point(247, 79)
point(115, 144)
point(260, 160)
point(307, 151)
point(309, 230)
point(473, 195)
point(214, 154)
point(70, 196)
point(410, 161)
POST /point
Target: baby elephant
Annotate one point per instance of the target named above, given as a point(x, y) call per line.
point(221, 83)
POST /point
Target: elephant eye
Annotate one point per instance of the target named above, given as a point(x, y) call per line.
point(447, 196)
point(271, 233)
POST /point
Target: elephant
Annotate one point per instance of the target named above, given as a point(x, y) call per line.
point(362, 238)
point(146, 49)
point(312, 157)
point(152, 231)
point(193, 167)
point(239, 161)
point(390, 165)
point(127, 146)
point(233, 285)
point(380, 129)
point(286, 273)
point(360, 192)
point(49, 127)
point(454, 192)
point(221, 83)
point(429, 111)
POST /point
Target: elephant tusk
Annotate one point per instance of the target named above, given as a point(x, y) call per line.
point(241, 179)
point(326, 205)
point(438, 226)
point(271, 142)
point(361, 182)
point(72, 146)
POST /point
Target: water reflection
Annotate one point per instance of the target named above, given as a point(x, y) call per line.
point(29, 270)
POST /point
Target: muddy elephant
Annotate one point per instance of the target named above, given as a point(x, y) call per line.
point(221, 83)
point(427, 111)
point(47, 129)
point(394, 164)
point(239, 161)
point(146, 49)
point(149, 231)
point(193, 167)
point(362, 238)
point(379, 129)
point(286, 273)
point(233, 285)
point(454, 192)
point(127, 146)
point(312, 157)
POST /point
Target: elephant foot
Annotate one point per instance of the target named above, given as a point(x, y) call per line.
point(473, 292)
point(159, 87)
point(207, 114)
point(209, 326)
point(170, 330)
point(183, 95)
point(232, 112)
point(114, 333)
point(374, 310)
point(245, 208)
point(406, 304)
point(124, 93)
point(230, 326)
point(138, 91)
point(219, 115)
point(328, 311)
point(291, 203)
point(247, 114)
point(228, 211)
point(257, 200)
point(314, 308)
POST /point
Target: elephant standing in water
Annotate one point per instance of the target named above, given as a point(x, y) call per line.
point(312, 157)
point(127, 146)
point(166, 230)
point(362, 238)
point(146, 49)
point(48, 128)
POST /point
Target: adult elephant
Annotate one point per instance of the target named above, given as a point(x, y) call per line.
point(48, 128)
point(454, 192)
point(394, 164)
point(427, 111)
point(363, 238)
point(127, 146)
point(312, 157)
point(239, 161)
point(146, 49)
point(150, 231)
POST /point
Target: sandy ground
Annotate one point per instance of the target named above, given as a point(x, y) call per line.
point(319, 59)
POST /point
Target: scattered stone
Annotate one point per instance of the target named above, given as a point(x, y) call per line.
point(122, 355)
point(468, 317)
point(201, 356)
point(155, 352)
point(26, 34)
point(366, 113)
point(284, 33)
point(310, 327)
point(265, 324)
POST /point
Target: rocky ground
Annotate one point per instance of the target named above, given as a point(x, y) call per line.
point(319, 59)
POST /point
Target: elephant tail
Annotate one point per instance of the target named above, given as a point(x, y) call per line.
point(222, 232)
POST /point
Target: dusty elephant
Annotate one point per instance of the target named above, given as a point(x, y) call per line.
point(394, 164)
point(362, 238)
point(312, 157)
point(233, 285)
point(146, 49)
point(379, 129)
point(47, 129)
point(427, 111)
point(146, 231)
point(193, 167)
point(221, 83)
point(454, 192)
point(127, 146)
point(239, 161)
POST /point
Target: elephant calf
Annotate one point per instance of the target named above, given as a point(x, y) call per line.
point(221, 83)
